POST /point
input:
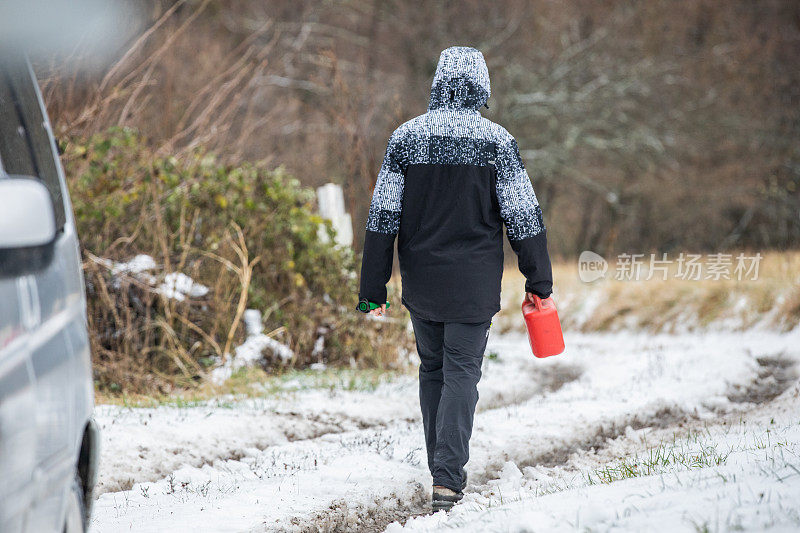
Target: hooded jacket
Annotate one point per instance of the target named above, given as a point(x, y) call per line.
point(449, 181)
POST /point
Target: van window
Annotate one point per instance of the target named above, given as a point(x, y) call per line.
point(15, 153)
point(25, 146)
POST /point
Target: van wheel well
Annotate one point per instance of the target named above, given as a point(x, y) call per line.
point(87, 464)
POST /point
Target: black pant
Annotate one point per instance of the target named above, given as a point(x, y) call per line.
point(450, 368)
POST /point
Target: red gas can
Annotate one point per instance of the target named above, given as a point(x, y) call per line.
point(544, 328)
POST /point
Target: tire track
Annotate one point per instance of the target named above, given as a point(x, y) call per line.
point(344, 516)
point(776, 374)
point(286, 425)
point(540, 381)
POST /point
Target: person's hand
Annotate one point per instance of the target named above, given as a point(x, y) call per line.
point(529, 297)
point(379, 311)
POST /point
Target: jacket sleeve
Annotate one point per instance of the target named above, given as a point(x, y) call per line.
point(522, 216)
point(383, 223)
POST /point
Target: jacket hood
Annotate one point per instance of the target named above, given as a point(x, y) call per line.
point(461, 80)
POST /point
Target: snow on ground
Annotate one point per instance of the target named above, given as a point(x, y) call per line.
point(251, 351)
point(137, 265)
point(178, 286)
point(740, 474)
point(147, 444)
point(340, 460)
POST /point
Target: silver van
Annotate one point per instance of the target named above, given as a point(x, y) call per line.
point(48, 441)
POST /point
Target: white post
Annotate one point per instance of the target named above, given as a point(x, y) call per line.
point(330, 198)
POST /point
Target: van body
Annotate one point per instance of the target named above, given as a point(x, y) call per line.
point(48, 440)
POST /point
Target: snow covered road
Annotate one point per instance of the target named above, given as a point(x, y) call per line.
point(348, 460)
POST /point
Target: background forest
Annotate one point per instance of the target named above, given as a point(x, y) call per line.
point(645, 125)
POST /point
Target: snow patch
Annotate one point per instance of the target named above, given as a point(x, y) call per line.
point(175, 285)
point(137, 265)
point(251, 351)
point(509, 475)
point(178, 286)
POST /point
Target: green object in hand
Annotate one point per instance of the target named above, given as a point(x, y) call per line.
point(365, 306)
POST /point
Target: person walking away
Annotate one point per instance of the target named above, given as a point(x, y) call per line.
point(449, 181)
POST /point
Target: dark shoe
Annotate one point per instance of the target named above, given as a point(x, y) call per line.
point(444, 498)
point(464, 483)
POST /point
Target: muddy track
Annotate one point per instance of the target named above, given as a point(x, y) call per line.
point(305, 425)
point(776, 374)
point(594, 439)
point(328, 424)
point(342, 516)
point(297, 426)
point(542, 381)
point(369, 518)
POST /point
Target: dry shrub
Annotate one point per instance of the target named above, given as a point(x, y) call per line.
point(789, 315)
point(247, 233)
point(143, 341)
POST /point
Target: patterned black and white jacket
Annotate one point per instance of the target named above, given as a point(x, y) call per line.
point(449, 181)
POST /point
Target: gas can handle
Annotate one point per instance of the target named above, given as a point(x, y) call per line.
point(537, 302)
